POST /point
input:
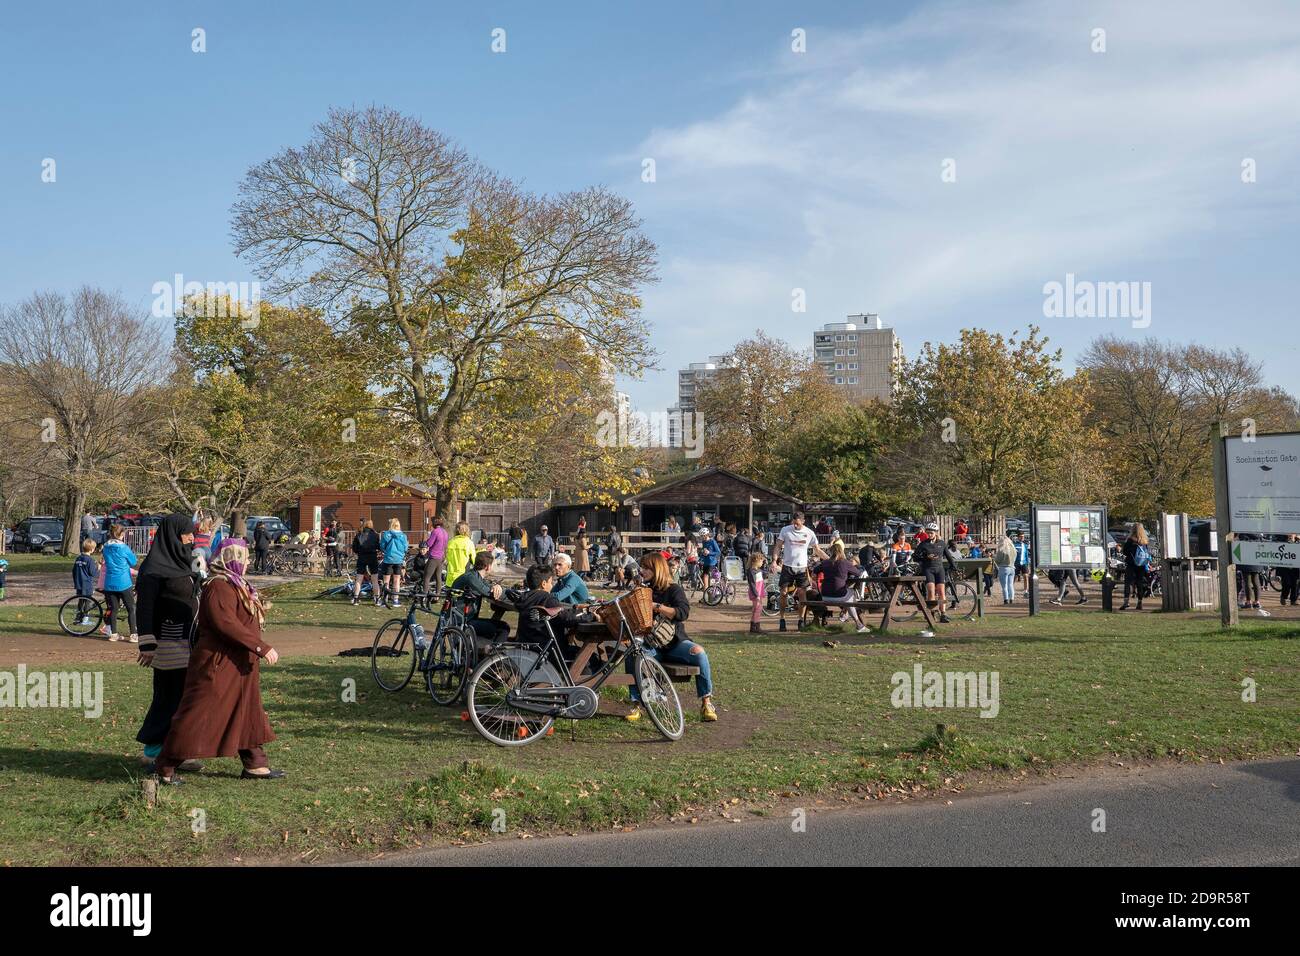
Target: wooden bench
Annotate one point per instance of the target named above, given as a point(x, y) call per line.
point(894, 587)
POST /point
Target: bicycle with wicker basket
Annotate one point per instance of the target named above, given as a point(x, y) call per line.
point(515, 696)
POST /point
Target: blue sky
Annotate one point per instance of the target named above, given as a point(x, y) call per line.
point(775, 170)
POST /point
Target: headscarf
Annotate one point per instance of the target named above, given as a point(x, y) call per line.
point(229, 565)
point(168, 556)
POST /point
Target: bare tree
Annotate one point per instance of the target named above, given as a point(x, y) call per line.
point(80, 369)
point(397, 230)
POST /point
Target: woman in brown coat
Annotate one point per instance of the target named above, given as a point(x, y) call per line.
point(581, 564)
point(220, 714)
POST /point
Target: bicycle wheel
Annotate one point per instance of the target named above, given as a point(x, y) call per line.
point(392, 655)
point(450, 660)
point(490, 710)
point(74, 622)
point(659, 697)
point(712, 595)
point(906, 609)
point(960, 600)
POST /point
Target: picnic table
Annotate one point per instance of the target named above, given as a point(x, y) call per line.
point(885, 594)
point(596, 642)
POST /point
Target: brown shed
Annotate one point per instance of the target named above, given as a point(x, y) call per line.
point(411, 503)
point(714, 495)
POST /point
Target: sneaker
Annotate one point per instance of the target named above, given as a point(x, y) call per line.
point(354, 602)
point(1055, 601)
point(863, 629)
point(1123, 607)
point(84, 622)
point(1262, 613)
point(134, 638)
point(397, 604)
point(707, 710)
point(1082, 600)
point(927, 633)
point(944, 619)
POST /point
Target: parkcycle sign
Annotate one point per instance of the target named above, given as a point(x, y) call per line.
point(1278, 554)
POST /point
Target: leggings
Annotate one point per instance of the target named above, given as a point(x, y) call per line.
point(433, 575)
point(122, 597)
point(1135, 578)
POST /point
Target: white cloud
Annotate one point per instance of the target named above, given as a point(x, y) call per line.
point(826, 173)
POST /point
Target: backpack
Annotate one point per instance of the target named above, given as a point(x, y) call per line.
point(1141, 556)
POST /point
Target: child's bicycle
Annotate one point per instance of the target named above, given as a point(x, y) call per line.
point(81, 616)
point(515, 695)
point(445, 657)
point(718, 589)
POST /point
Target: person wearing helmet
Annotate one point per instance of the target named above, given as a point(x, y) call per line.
point(929, 554)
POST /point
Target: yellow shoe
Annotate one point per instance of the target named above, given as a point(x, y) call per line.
point(707, 711)
point(634, 716)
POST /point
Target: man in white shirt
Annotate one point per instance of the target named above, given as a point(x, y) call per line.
point(796, 541)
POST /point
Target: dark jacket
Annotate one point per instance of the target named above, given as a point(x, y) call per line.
point(742, 544)
point(261, 538)
point(366, 543)
point(84, 572)
point(533, 615)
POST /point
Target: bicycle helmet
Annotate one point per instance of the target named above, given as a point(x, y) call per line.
point(932, 526)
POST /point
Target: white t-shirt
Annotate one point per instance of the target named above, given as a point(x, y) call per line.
point(795, 543)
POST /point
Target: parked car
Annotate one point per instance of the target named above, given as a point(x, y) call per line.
point(280, 531)
point(38, 533)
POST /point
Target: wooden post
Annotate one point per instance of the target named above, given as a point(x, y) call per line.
point(1223, 525)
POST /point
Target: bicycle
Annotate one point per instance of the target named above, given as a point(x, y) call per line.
point(717, 590)
point(515, 695)
point(81, 616)
point(444, 659)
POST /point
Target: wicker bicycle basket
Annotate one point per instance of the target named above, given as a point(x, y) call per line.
point(636, 606)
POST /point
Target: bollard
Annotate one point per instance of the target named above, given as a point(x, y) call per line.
point(1107, 592)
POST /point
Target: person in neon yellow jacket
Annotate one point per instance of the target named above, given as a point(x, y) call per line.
point(460, 552)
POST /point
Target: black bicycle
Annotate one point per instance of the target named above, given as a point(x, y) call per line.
point(445, 657)
point(81, 616)
point(515, 695)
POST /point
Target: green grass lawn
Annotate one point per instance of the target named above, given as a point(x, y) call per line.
point(799, 720)
point(39, 564)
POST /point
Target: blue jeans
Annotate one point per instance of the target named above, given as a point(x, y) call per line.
point(1007, 578)
point(516, 550)
point(681, 653)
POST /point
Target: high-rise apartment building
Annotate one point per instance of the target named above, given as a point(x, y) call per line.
point(861, 356)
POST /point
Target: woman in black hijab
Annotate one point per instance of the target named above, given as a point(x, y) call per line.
point(167, 596)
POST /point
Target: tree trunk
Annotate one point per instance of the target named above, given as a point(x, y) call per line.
point(237, 528)
point(74, 505)
point(447, 504)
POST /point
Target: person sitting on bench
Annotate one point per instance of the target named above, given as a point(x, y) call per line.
point(476, 586)
point(538, 606)
point(838, 575)
point(569, 586)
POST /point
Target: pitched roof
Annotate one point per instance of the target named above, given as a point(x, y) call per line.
point(673, 483)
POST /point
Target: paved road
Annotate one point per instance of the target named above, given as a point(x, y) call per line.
point(1242, 814)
